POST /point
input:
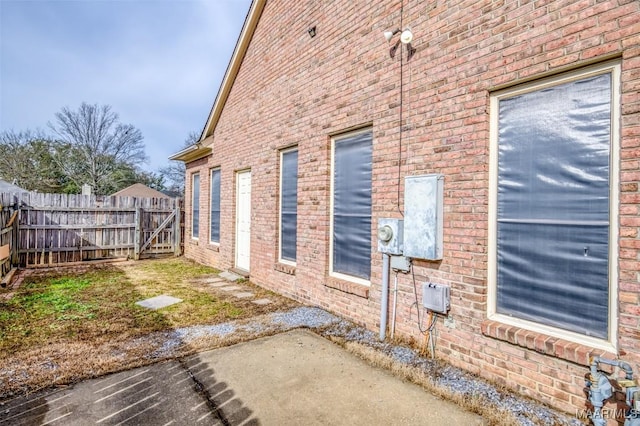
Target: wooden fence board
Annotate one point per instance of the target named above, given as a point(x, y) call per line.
point(46, 229)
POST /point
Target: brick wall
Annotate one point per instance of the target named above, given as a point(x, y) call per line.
point(295, 90)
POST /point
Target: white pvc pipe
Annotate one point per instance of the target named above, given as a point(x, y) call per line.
point(384, 302)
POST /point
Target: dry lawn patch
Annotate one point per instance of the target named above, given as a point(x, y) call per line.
point(68, 324)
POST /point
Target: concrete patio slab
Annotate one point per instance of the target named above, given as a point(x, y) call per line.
point(288, 379)
point(159, 302)
point(156, 395)
point(299, 378)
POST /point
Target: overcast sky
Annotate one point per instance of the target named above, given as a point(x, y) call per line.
point(158, 63)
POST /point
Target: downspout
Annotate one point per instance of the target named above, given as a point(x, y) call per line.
point(384, 303)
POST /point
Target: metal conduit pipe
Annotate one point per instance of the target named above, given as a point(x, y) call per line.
point(384, 302)
point(628, 371)
point(395, 304)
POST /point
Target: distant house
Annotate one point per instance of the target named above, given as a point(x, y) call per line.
point(9, 187)
point(518, 121)
point(139, 190)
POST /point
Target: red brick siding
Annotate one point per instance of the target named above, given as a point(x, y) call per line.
point(293, 89)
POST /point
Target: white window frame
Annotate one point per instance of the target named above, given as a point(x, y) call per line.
point(339, 275)
point(280, 259)
point(214, 169)
point(194, 235)
point(610, 67)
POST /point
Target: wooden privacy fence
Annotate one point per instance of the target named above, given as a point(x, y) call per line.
point(7, 241)
point(52, 229)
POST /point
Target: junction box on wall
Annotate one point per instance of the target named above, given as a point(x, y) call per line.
point(423, 216)
point(436, 297)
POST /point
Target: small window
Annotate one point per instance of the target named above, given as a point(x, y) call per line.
point(288, 205)
point(351, 213)
point(195, 205)
point(553, 229)
point(215, 206)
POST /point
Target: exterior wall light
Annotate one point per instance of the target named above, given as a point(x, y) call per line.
point(312, 31)
point(406, 37)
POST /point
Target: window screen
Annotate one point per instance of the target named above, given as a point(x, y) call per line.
point(289, 205)
point(352, 205)
point(195, 203)
point(553, 206)
point(215, 206)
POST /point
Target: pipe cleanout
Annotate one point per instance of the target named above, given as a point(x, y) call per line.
point(384, 302)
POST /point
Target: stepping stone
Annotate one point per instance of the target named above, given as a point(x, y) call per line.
point(159, 302)
point(231, 288)
point(220, 284)
point(229, 276)
point(213, 280)
point(243, 294)
point(262, 301)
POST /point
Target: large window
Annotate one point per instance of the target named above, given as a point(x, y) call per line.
point(351, 213)
point(195, 205)
point(553, 230)
point(288, 204)
point(214, 232)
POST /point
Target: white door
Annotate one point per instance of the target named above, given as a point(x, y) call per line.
point(243, 220)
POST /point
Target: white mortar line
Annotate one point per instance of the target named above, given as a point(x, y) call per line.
point(140, 412)
point(195, 407)
point(57, 418)
point(121, 390)
point(121, 381)
point(33, 408)
point(126, 408)
point(204, 416)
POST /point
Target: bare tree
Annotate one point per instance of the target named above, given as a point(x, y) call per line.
point(174, 173)
point(94, 148)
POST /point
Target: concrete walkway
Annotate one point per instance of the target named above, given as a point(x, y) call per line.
point(291, 378)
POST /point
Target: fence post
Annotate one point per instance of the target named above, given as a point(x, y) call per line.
point(15, 237)
point(177, 229)
point(138, 234)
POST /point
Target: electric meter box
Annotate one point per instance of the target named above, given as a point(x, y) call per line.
point(436, 297)
point(423, 216)
point(390, 233)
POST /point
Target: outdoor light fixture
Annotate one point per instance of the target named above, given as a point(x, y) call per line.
point(312, 31)
point(406, 37)
point(389, 34)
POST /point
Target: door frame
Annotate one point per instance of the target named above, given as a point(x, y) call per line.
point(239, 175)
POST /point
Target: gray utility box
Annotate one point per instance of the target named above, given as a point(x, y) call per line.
point(390, 233)
point(400, 263)
point(436, 297)
point(423, 211)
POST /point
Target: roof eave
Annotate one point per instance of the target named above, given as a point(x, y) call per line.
point(192, 153)
point(250, 24)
